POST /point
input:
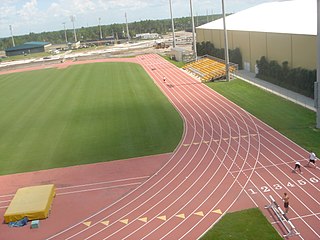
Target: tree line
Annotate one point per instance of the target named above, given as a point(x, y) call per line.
point(117, 30)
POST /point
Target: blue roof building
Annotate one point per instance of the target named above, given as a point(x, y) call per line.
point(27, 48)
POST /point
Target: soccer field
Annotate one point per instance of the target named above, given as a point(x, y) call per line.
point(83, 114)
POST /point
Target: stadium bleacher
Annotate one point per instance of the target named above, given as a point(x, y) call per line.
point(209, 69)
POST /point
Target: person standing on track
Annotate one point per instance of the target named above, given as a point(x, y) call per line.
point(285, 199)
point(297, 166)
point(164, 79)
point(312, 159)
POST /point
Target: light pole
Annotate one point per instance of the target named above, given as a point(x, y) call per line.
point(128, 35)
point(72, 18)
point(65, 32)
point(100, 28)
point(172, 24)
point(193, 33)
point(226, 52)
point(10, 27)
point(316, 89)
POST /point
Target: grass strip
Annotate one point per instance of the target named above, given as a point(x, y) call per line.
point(292, 120)
point(248, 224)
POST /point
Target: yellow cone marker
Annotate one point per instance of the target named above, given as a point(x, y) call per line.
point(181, 216)
point(143, 219)
point(105, 223)
point(164, 218)
point(125, 221)
point(217, 211)
point(199, 214)
point(87, 224)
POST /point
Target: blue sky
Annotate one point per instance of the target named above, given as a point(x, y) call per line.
point(36, 16)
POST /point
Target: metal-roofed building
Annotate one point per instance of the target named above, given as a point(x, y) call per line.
point(281, 31)
point(27, 48)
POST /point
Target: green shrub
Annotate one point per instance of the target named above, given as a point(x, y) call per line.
point(296, 79)
point(207, 48)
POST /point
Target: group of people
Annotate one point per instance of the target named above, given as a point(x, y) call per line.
point(312, 159)
point(297, 167)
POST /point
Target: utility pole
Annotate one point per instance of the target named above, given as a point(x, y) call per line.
point(193, 33)
point(73, 18)
point(100, 28)
point(128, 35)
point(226, 52)
point(10, 27)
point(172, 24)
point(316, 84)
point(65, 32)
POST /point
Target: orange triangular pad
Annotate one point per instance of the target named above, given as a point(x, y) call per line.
point(87, 224)
point(181, 216)
point(199, 214)
point(164, 218)
point(143, 219)
point(125, 221)
point(217, 211)
point(105, 223)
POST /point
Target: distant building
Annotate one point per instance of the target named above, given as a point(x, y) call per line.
point(147, 35)
point(181, 54)
point(73, 45)
point(28, 48)
point(280, 31)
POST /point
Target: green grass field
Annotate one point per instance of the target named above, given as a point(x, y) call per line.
point(83, 114)
point(292, 120)
point(248, 224)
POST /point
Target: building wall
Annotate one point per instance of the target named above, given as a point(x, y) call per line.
point(304, 51)
point(298, 50)
point(258, 48)
point(24, 51)
point(279, 48)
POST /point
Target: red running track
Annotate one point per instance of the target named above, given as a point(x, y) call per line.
point(225, 159)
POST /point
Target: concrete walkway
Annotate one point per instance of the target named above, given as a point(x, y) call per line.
point(287, 94)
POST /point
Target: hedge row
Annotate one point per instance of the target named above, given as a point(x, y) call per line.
point(296, 79)
point(208, 48)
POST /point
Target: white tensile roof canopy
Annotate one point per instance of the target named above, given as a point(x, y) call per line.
point(292, 17)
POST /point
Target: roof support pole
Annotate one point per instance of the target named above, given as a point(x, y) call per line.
point(226, 52)
point(316, 86)
point(193, 33)
point(172, 23)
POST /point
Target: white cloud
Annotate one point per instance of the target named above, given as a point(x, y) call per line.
point(29, 11)
point(25, 15)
